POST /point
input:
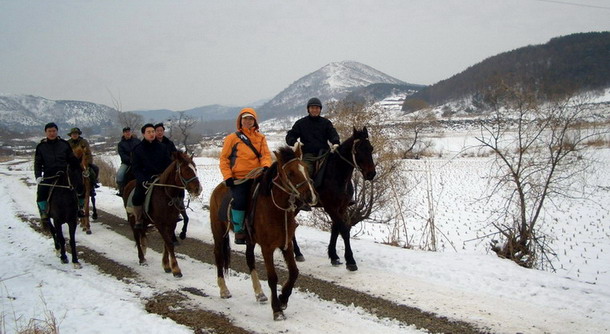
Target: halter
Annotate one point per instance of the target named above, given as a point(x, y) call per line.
point(176, 202)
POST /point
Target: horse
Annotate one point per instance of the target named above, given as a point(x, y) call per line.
point(89, 193)
point(185, 218)
point(281, 186)
point(63, 207)
point(166, 203)
point(336, 191)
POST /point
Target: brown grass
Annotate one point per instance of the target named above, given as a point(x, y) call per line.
point(107, 175)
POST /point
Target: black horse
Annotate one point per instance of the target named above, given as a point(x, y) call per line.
point(335, 191)
point(63, 208)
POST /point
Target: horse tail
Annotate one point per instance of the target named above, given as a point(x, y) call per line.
point(226, 253)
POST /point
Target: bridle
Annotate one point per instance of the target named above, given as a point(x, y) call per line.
point(293, 192)
point(176, 202)
point(353, 162)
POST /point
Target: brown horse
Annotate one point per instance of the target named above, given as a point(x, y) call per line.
point(336, 191)
point(84, 221)
point(166, 202)
point(273, 225)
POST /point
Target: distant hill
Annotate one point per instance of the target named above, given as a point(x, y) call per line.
point(330, 83)
point(27, 113)
point(568, 64)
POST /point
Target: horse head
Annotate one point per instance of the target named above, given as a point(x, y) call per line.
point(362, 153)
point(186, 173)
point(293, 174)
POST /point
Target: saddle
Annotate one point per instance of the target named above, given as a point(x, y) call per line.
point(146, 205)
point(224, 211)
point(320, 168)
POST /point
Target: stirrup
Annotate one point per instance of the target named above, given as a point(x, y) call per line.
point(240, 238)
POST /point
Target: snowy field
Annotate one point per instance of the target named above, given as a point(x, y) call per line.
point(463, 280)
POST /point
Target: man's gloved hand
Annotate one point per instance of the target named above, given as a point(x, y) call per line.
point(333, 148)
point(39, 180)
point(230, 182)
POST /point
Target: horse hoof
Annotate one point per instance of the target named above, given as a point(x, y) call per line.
point(336, 263)
point(261, 298)
point(299, 258)
point(278, 316)
point(64, 260)
point(177, 275)
point(351, 267)
point(89, 232)
point(225, 295)
point(182, 236)
point(77, 265)
point(144, 263)
point(167, 270)
point(94, 216)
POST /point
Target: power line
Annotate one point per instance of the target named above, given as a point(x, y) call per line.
point(574, 4)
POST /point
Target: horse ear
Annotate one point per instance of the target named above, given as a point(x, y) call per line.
point(297, 150)
point(277, 157)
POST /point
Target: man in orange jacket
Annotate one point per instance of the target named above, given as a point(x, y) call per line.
point(243, 151)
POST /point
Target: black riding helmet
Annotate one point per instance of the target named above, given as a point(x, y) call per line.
point(314, 101)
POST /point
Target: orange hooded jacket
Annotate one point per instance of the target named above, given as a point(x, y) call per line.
point(236, 158)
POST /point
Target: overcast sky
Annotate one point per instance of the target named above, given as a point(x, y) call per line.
point(184, 54)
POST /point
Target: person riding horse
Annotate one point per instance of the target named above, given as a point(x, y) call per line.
point(75, 141)
point(244, 150)
point(160, 135)
point(315, 132)
point(125, 147)
point(53, 155)
point(150, 158)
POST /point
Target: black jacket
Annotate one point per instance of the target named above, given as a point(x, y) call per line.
point(314, 133)
point(170, 144)
point(125, 147)
point(53, 156)
point(149, 158)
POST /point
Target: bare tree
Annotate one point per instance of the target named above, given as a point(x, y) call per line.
point(539, 152)
point(185, 135)
point(125, 119)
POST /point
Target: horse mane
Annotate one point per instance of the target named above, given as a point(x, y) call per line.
point(285, 154)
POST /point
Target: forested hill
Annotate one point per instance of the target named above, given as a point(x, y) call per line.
point(567, 64)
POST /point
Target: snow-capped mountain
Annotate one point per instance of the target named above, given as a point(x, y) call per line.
point(331, 82)
point(27, 112)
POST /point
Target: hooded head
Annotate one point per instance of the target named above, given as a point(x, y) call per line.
point(247, 112)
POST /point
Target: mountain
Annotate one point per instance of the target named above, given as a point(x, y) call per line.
point(565, 65)
point(331, 82)
point(30, 113)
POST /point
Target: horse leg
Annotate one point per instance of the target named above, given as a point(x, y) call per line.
point(72, 229)
point(256, 283)
point(350, 262)
point(87, 227)
point(185, 225)
point(293, 274)
point(297, 250)
point(62, 243)
point(169, 257)
point(94, 215)
point(332, 245)
point(138, 236)
point(272, 281)
point(51, 227)
point(222, 258)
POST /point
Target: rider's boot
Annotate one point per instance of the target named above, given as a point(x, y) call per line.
point(120, 186)
point(138, 213)
point(44, 216)
point(237, 217)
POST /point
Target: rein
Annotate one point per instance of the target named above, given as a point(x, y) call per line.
point(293, 193)
point(177, 202)
point(54, 184)
point(353, 162)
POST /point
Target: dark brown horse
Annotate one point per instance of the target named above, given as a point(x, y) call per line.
point(336, 191)
point(166, 202)
point(273, 225)
point(87, 186)
point(63, 207)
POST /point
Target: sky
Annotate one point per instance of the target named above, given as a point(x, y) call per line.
point(184, 54)
point(468, 285)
